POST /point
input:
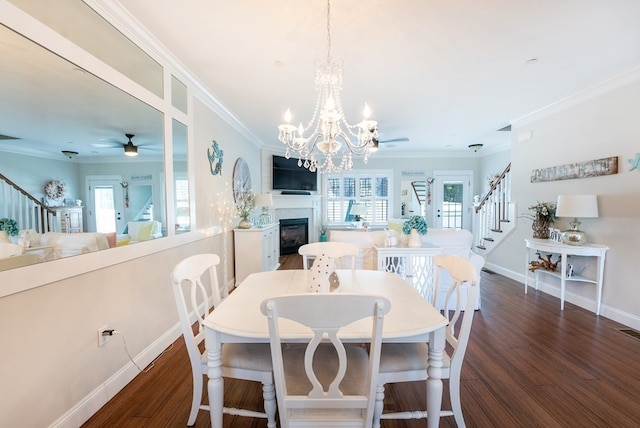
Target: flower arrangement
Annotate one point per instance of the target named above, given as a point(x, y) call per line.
point(55, 189)
point(245, 204)
point(415, 222)
point(543, 211)
point(10, 226)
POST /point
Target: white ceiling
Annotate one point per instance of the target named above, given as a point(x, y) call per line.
point(445, 74)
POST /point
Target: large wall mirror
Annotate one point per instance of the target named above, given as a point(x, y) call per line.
point(60, 123)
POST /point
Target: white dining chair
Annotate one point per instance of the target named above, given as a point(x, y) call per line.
point(324, 382)
point(240, 361)
point(335, 250)
point(408, 362)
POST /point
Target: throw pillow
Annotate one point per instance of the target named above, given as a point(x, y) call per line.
point(145, 232)
point(111, 239)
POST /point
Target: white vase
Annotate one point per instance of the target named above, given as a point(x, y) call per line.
point(415, 240)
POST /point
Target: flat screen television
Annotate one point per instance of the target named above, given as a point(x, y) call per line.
point(287, 175)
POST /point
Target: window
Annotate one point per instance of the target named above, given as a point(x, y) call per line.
point(368, 188)
point(452, 206)
point(183, 223)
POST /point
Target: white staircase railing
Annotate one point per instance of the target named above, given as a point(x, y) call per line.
point(494, 215)
point(27, 211)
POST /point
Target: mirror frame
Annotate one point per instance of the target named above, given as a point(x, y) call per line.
point(27, 277)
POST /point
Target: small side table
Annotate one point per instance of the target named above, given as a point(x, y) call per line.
point(414, 264)
point(588, 249)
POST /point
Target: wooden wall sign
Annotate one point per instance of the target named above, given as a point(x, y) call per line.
point(592, 168)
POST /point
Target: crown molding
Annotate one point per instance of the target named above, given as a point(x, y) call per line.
point(626, 77)
point(128, 25)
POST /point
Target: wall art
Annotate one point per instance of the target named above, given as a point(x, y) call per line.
point(634, 163)
point(592, 168)
point(216, 158)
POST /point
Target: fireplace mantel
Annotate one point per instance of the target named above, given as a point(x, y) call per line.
point(297, 206)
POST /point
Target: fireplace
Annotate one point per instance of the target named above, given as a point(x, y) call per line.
point(294, 232)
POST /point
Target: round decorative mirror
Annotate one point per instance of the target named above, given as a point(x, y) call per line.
point(241, 179)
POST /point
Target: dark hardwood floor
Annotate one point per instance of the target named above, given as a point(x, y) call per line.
point(528, 364)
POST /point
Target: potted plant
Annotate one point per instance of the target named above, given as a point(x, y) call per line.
point(323, 233)
point(245, 207)
point(9, 226)
point(414, 227)
point(544, 214)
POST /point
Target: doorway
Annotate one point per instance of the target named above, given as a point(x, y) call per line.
point(452, 199)
point(105, 203)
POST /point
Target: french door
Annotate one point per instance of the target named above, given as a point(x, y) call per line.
point(107, 196)
point(452, 199)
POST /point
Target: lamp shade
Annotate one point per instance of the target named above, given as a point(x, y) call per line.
point(577, 206)
point(358, 209)
point(263, 200)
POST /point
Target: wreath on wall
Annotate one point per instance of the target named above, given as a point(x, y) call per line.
point(55, 189)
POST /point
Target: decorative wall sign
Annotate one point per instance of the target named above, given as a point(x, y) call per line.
point(215, 158)
point(635, 163)
point(593, 168)
point(144, 177)
point(413, 173)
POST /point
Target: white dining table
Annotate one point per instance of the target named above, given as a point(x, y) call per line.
point(238, 320)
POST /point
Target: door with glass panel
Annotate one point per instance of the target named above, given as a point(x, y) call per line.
point(451, 200)
point(105, 205)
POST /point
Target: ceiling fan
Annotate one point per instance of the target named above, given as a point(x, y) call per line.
point(379, 141)
point(130, 149)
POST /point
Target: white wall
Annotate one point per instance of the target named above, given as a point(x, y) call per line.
point(50, 354)
point(604, 126)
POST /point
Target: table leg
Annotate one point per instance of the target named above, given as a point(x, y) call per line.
point(434, 381)
point(600, 278)
point(526, 270)
point(563, 279)
point(215, 385)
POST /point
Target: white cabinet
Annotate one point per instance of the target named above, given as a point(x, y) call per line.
point(256, 250)
point(69, 219)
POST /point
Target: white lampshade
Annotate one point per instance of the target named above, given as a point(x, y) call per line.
point(358, 209)
point(263, 200)
point(577, 206)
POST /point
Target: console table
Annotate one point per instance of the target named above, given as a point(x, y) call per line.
point(552, 247)
point(414, 264)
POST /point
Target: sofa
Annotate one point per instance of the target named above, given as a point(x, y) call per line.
point(451, 241)
point(56, 245)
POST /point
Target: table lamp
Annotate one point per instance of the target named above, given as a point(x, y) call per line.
point(358, 210)
point(576, 206)
point(264, 200)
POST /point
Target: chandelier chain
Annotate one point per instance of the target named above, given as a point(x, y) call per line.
point(331, 134)
point(328, 32)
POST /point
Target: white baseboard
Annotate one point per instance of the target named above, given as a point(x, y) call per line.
point(89, 405)
point(612, 313)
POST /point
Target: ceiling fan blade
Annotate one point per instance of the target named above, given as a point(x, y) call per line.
point(393, 140)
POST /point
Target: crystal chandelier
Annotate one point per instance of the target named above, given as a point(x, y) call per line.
point(331, 135)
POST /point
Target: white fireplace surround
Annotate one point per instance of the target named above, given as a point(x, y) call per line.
point(299, 206)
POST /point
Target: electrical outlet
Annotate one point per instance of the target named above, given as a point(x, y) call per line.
point(102, 339)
